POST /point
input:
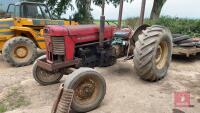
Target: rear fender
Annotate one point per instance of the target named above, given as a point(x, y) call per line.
point(137, 32)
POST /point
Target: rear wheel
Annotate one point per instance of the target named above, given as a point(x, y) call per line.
point(45, 77)
point(89, 89)
point(153, 52)
point(19, 51)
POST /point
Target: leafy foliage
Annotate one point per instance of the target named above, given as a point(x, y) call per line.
point(58, 7)
point(114, 2)
point(176, 25)
point(83, 15)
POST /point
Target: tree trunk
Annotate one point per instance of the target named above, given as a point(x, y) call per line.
point(156, 10)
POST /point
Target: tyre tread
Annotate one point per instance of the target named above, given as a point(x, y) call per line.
point(144, 52)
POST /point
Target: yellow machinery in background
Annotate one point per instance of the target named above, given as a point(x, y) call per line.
point(21, 31)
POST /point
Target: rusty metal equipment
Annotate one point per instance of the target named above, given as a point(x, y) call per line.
point(187, 51)
point(185, 45)
point(83, 91)
point(63, 101)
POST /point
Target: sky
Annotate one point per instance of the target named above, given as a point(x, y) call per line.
point(173, 8)
point(4, 4)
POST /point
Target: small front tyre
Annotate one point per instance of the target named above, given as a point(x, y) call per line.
point(44, 77)
point(89, 89)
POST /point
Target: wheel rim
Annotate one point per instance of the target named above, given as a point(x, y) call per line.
point(21, 52)
point(46, 76)
point(86, 90)
point(161, 55)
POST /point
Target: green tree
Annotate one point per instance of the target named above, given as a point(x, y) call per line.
point(83, 15)
point(114, 2)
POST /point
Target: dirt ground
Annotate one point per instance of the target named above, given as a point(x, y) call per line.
point(126, 93)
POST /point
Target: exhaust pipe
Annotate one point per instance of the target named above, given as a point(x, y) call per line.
point(102, 26)
point(120, 14)
point(142, 12)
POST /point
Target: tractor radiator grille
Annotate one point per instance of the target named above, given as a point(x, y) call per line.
point(58, 45)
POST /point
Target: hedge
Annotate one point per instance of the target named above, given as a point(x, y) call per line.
point(176, 25)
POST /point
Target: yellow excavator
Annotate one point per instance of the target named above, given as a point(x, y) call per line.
point(21, 31)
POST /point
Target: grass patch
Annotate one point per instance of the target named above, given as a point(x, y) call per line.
point(2, 108)
point(176, 25)
point(14, 99)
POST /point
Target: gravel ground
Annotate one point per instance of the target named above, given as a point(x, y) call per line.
point(126, 93)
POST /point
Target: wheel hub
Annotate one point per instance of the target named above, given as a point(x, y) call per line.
point(85, 90)
point(21, 52)
point(161, 55)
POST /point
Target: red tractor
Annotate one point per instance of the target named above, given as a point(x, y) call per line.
point(91, 46)
point(78, 46)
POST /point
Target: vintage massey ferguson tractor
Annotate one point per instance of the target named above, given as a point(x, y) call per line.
point(71, 47)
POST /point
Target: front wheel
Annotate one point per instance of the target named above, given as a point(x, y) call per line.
point(19, 51)
point(45, 77)
point(89, 89)
point(153, 52)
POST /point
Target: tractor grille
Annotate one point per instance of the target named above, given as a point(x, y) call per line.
point(58, 45)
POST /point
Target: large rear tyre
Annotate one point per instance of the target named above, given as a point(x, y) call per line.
point(153, 52)
point(19, 51)
point(44, 77)
point(89, 89)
